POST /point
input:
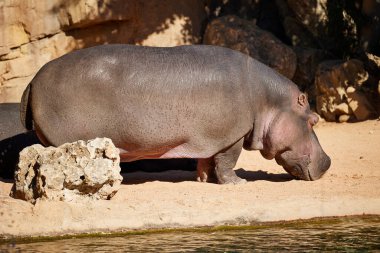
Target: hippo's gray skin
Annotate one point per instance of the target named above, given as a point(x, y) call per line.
point(202, 102)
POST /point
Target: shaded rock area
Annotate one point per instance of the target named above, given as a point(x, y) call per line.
point(296, 32)
point(308, 60)
point(70, 172)
point(244, 36)
point(372, 89)
point(312, 14)
point(339, 91)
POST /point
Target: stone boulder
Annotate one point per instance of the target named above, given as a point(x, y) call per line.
point(244, 36)
point(372, 65)
point(339, 91)
point(71, 172)
point(308, 60)
point(297, 33)
point(334, 25)
point(370, 29)
point(312, 14)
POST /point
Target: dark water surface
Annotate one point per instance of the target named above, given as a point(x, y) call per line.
point(339, 234)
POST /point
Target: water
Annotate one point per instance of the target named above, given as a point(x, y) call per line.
point(345, 234)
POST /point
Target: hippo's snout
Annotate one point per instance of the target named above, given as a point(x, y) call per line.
point(323, 165)
point(305, 168)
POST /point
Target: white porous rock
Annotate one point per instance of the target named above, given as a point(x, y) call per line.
point(71, 172)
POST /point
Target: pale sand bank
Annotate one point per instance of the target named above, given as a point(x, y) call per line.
point(174, 199)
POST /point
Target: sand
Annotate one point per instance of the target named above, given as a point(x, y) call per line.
point(174, 199)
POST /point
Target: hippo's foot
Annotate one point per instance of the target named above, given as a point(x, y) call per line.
point(204, 177)
point(229, 177)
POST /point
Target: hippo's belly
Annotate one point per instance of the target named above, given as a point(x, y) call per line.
point(181, 151)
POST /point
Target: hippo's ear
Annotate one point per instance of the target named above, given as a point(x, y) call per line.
point(302, 99)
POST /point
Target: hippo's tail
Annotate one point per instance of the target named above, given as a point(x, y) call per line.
point(25, 110)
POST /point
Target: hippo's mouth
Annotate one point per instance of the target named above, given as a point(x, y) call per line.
point(298, 172)
point(299, 168)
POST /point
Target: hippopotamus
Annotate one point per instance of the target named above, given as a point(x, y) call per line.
point(198, 101)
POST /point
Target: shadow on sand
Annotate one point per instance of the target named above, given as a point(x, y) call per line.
point(176, 176)
point(263, 175)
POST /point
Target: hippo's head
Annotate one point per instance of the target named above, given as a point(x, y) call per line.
point(292, 142)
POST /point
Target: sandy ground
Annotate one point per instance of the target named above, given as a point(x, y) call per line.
point(174, 199)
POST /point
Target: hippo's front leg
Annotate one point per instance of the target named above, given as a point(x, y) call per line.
point(225, 161)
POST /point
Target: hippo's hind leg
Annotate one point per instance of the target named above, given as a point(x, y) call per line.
point(225, 161)
point(206, 170)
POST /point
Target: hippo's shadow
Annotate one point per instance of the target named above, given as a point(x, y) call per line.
point(263, 175)
point(172, 176)
point(176, 176)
